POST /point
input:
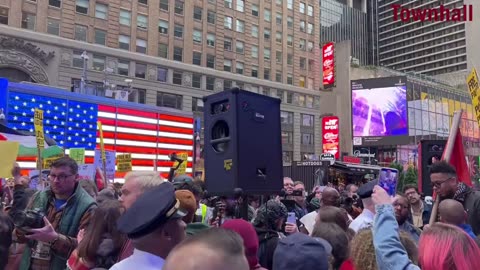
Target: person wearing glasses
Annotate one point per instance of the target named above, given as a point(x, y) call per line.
point(446, 185)
point(66, 207)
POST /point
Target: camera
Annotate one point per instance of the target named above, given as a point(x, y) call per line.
point(29, 219)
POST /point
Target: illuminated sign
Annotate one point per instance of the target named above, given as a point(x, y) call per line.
point(330, 138)
point(328, 56)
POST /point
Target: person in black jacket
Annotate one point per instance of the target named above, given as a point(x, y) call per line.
point(6, 229)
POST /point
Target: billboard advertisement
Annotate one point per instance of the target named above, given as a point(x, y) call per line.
point(328, 56)
point(330, 138)
point(379, 111)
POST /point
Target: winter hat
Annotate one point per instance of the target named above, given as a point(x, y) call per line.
point(187, 203)
point(249, 236)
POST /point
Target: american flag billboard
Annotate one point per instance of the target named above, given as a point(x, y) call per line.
point(149, 133)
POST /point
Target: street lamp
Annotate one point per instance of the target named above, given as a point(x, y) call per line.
point(84, 57)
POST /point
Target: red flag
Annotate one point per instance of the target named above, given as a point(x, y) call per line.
point(458, 159)
point(99, 179)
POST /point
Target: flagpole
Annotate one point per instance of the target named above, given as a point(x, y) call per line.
point(457, 118)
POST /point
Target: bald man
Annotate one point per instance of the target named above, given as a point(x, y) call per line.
point(330, 197)
point(212, 249)
point(452, 212)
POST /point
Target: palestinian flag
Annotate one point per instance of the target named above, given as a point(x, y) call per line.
point(28, 142)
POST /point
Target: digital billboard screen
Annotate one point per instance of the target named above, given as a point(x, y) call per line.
point(379, 111)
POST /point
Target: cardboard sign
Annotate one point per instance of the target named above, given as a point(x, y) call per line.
point(9, 152)
point(47, 162)
point(38, 124)
point(86, 172)
point(183, 167)
point(474, 89)
point(77, 154)
point(109, 162)
point(124, 163)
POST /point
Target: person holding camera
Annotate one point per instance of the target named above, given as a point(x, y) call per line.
point(53, 218)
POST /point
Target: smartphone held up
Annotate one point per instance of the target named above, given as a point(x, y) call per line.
point(388, 180)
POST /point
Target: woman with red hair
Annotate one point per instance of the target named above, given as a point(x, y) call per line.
point(441, 246)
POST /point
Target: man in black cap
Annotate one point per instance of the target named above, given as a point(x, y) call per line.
point(365, 219)
point(154, 223)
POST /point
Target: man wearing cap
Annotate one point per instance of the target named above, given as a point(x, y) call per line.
point(155, 226)
point(365, 219)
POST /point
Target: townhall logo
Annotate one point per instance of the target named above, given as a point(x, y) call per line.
point(442, 13)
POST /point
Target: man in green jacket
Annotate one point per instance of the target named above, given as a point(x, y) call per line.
point(67, 209)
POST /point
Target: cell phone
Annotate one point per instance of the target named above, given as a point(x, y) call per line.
point(388, 180)
point(291, 218)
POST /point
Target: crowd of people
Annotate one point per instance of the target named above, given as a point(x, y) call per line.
point(151, 223)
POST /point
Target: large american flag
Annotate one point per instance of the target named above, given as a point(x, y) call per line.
point(150, 136)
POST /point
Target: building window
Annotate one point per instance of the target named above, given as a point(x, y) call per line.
point(178, 54)
point(140, 70)
point(266, 34)
point(266, 73)
point(239, 67)
point(53, 27)
point(178, 7)
point(98, 62)
point(163, 27)
point(278, 77)
point(211, 16)
point(142, 21)
point(210, 83)
point(286, 118)
point(80, 33)
point(101, 11)
point(227, 84)
point(178, 32)
point(254, 10)
point(254, 71)
point(310, 28)
point(55, 3)
point(302, 26)
point(240, 26)
point(290, 79)
point(239, 47)
point(77, 59)
point(279, 2)
point(163, 50)
point(289, 22)
point(227, 44)
point(254, 31)
point(177, 77)
point(28, 22)
point(197, 13)
point(278, 57)
point(289, 97)
point(228, 4)
point(3, 15)
point(143, 2)
point(287, 156)
point(287, 137)
point(125, 17)
point(210, 61)
point(302, 8)
point(138, 96)
point(307, 139)
point(196, 80)
point(197, 58)
point(302, 44)
point(289, 59)
point(309, 102)
point(290, 40)
point(211, 40)
point(240, 5)
point(164, 5)
point(266, 91)
point(303, 63)
point(123, 67)
point(281, 94)
point(267, 15)
point(290, 4)
point(197, 36)
point(301, 81)
point(266, 54)
point(169, 100)
point(228, 23)
point(278, 19)
point(227, 65)
point(100, 37)
point(141, 46)
point(310, 10)
point(124, 42)
point(307, 120)
point(162, 74)
point(310, 46)
point(82, 6)
point(254, 51)
point(197, 104)
point(278, 37)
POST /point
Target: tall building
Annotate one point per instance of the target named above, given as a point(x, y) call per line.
point(436, 46)
point(171, 53)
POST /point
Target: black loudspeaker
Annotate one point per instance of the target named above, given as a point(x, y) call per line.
point(243, 144)
point(430, 151)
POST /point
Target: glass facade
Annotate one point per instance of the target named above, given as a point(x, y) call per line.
point(340, 22)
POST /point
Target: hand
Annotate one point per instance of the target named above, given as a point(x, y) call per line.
point(291, 228)
point(80, 235)
point(215, 222)
point(45, 234)
point(16, 174)
point(380, 196)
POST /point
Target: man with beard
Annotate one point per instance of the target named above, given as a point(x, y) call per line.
point(420, 210)
point(402, 214)
point(446, 185)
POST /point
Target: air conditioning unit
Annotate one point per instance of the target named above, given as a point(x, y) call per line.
point(354, 61)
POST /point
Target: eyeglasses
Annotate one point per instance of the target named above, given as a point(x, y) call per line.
point(61, 177)
point(438, 184)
